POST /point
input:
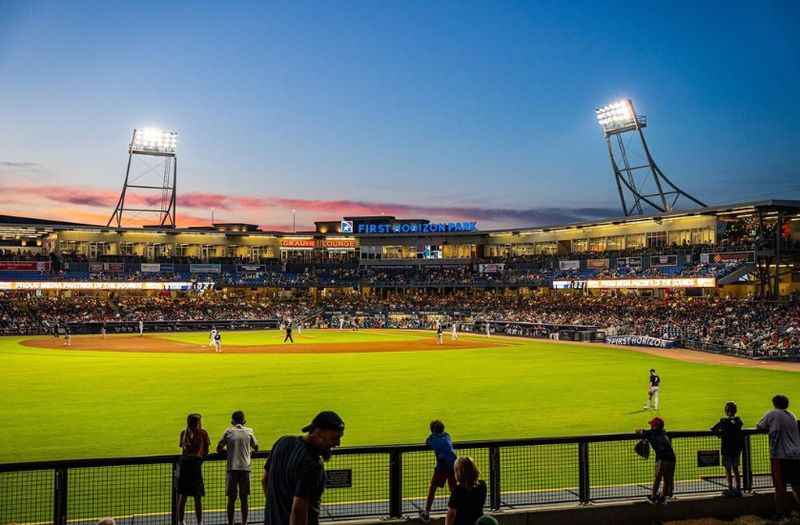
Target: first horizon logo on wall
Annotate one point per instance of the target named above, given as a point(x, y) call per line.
point(420, 227)
point(346, 227)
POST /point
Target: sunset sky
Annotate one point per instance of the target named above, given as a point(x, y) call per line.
point(448, 111)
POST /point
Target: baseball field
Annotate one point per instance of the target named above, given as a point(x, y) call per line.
point(126, 395)
point(129, 395)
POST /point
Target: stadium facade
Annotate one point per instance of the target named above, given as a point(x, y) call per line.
point(765, 234)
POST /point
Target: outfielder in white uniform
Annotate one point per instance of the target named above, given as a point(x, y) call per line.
point(652, 391)
point(212, 337)
point(488, 329)
point(454, 332)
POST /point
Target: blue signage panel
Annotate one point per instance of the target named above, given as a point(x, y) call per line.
point(445, 227)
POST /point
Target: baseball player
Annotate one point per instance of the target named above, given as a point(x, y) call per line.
point(652, 391)
point(288, 332)
point(67, 336)
point(439, 334)
point(341, 323)
point(488, 329)
point(217, 341)
point(141, 328)
point(454, 331)
point(212, 336)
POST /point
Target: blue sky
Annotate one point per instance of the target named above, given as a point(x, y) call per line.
point(467, 110)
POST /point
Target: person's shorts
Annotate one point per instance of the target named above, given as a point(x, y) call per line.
point(665, 468)
point(443, 475)
point(730, 461)
point(785, 471)
point(237, 483)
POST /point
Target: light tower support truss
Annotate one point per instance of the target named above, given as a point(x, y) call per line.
point(153, 144)
point(640, 184)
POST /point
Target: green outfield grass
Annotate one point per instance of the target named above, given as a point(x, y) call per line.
point(96, 404)
point(74, 404)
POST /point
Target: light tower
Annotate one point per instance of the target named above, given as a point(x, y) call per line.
point(156, 149)
point(640, 179)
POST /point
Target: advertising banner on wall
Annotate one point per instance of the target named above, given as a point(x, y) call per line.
point(491, 268)
point(723, 257)
point(569, 265)
point(640, 340)
point(205, 268)
point(25, 266)
point(339, 244)
point(634, 263)
point(250, 267)
point(297, 243)
point(99, 267)
point(621, 284)
point(94, 285)
point(663, 260)
point(597, 264)
point(150, 268)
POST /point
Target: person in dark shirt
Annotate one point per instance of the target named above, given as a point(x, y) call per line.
point(467, 500)
point(729, 430)
point(653, 387)
point(442, 446)
point(665, 459)
point(288, 332)
point(294, 474)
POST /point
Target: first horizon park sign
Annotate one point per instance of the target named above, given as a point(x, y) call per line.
point(416, 227)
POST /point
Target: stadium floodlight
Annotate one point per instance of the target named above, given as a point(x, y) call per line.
point(618, 117)
point(652, 188)
point(161, 176)
point(153, 141)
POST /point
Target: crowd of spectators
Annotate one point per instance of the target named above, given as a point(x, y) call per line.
point(754, 328)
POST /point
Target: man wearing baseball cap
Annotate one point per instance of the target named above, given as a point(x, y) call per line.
point(294, 474)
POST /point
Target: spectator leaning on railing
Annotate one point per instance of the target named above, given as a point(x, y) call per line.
point(784, 449)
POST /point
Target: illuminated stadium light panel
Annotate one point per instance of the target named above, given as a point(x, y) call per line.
point(617, 116)
point(153, 141)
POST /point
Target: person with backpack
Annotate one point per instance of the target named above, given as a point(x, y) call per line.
point(729, 430)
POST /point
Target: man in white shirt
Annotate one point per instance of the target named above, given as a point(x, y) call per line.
point(238, 442)
point(784, 449)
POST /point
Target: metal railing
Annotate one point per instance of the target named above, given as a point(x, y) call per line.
point(375, 482)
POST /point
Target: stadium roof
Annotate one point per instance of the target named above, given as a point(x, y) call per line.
point(722, 209)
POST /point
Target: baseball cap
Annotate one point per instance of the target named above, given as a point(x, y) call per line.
point(327, 419)
point(656, 422)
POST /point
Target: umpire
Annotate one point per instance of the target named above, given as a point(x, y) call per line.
point(294, 474)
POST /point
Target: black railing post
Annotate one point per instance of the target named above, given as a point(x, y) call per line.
point(395, 484)
point(174, 506)
point(747, 465)
point(60, 496)
point(584, 494)
point(494, 477)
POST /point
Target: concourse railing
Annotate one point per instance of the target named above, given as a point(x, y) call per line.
point(378, 481)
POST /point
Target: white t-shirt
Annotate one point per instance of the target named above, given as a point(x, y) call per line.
point(784, 436)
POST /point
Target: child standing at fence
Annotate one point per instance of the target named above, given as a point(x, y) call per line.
point(665, 460)
point(729, 430)
point(194, 443)
point(442, 446)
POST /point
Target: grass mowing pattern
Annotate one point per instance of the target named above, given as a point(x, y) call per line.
point(97, 404)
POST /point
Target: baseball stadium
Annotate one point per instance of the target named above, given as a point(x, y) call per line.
point(375, 368)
